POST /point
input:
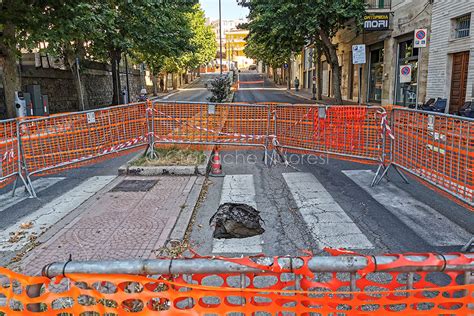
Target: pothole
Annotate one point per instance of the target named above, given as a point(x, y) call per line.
point(234, 220)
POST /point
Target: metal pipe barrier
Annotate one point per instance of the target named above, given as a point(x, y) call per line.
point(415, 284)
point(437, 148)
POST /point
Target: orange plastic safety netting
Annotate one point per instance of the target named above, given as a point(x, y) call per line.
point(66, 141)
point(351, 132)
point(8, 152)
point(273, 291)
point(209, 124)
point(437, 148)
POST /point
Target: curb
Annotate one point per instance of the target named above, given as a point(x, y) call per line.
point(184, 219)
point(128, 169)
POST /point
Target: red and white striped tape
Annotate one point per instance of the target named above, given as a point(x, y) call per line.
point(384, 124)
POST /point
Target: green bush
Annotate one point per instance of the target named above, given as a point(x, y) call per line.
point(220, 89)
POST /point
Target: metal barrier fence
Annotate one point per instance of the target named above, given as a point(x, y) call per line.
point(348, 131)
point(11, 166)
point(414, 284)
point(438, 148)
point(55, 143)
point(208, 124)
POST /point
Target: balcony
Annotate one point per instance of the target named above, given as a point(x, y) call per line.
point(374, 6)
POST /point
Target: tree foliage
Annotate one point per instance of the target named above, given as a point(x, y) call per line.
point(278, 28)
point(152, 31)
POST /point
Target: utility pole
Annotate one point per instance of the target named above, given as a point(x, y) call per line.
point(220, 35)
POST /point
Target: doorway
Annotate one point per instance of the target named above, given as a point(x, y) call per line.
point(459, 81)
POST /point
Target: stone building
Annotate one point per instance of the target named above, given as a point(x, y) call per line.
point(388, 48)
point(57, 83)
point(451, 61)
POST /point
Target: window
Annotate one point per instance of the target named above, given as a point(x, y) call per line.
point(462, 26)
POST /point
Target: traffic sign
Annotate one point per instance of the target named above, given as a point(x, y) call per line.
point(358, 54)
point(286, 66)
point(421, 38)
point(405, 74)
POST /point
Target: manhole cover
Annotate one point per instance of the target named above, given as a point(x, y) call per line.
point(233, 220)
point(134, 186)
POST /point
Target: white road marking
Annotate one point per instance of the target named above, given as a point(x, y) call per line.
point(433, 227)
point(52, 212)
point(7, 200)
point(328, 223)
point(166, 97)
point(238, 189)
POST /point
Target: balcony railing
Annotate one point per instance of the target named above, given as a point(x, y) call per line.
point(378, 4)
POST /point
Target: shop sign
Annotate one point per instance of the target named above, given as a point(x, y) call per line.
point(376, 22)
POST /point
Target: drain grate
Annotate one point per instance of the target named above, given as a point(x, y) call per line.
point(134, 186)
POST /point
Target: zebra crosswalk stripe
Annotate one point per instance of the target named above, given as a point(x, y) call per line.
point(329, 225)
point(7, 200)
point(430, 225)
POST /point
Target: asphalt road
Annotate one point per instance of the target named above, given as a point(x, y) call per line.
point(263, 91)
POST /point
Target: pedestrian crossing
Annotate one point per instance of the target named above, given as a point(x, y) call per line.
point(329, 225)
point(50, 213)
point(41, 184)
point(334, 226)
point(430, 225)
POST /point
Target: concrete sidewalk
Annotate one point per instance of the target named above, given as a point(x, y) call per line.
point(129, 218)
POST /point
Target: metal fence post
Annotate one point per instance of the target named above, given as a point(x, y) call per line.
point(22, 165)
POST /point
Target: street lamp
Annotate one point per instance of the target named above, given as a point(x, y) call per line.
point(220, 34)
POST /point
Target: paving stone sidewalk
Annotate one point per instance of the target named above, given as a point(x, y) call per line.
point(117, 224)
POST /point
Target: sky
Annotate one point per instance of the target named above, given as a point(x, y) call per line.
point(230, 9)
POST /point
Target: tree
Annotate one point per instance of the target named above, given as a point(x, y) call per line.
point(17, 23)
point(203, 44)
point(70, 28)
point(150, 27)
point(287, 23)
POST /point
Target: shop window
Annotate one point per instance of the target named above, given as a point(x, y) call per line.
point(407, 90)
point(462, 26)
point(376, 75)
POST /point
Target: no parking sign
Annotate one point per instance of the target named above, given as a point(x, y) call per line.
point(421, 38)
point(405, 73)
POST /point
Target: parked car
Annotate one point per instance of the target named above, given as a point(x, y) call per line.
point(253, 67)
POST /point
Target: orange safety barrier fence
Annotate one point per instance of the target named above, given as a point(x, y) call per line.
point(209, 124)
point(437, 148)
point(392, 284)
point(55, 143)
point(9, 154)
point(350, 132)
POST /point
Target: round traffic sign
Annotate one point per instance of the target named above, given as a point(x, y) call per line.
point(406, 71)
point(420, 35)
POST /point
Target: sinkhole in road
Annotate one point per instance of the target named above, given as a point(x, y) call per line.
point(236, 220)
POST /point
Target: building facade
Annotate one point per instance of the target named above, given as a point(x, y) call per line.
point(451, 60)
point(227, 26)
point(235, 44)
point(389, 37)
